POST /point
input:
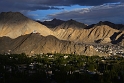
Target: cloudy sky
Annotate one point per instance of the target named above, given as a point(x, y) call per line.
point(85, 11)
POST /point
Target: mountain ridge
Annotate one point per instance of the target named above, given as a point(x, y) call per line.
point(35, 44)
point(21, 34)
point(71, 24)
point(53, 23)
point(83, 35)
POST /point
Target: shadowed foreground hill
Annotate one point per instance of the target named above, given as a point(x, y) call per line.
point(35, 44)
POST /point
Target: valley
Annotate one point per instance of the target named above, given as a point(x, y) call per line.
point(60, 51)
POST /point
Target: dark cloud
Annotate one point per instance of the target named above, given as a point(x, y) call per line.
point(17, 5)
point(69, 2)
point(87, 15)
point(22, 5)
point(113, 13)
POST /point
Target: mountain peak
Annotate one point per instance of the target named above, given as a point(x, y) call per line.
point(14, 24)
point(110, 24)
point(53, 23)
point(11, 14)
point(55, 19)
point(12, 17)
point(72, 21)
point(104, 23)
point(72, 24)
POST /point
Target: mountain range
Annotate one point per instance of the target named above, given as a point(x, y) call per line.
point(19, 34)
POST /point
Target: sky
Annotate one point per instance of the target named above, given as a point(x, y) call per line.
point(85, 11)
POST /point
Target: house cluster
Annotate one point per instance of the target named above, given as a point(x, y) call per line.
point(110, 49)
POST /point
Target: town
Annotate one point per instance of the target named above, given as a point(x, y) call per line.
point(61, 68)
point(111, 50)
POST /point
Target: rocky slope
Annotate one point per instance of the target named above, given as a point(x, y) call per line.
point(35, 44)
point(14, 24)
point(79, 33)
point(122, 43)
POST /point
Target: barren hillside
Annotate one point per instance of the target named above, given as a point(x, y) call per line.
point(82, 34)
point(14, 24)
point(35, 44)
